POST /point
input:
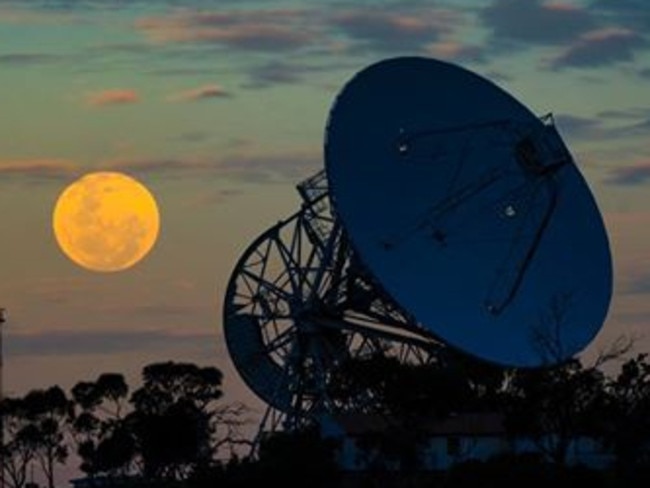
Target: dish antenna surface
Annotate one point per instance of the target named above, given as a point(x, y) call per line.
point(469, 211)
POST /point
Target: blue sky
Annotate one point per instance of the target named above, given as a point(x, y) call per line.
point(219, 108)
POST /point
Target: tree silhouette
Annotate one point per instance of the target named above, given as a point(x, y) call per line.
point(168, 429)
point(486, 383)
point(399, 389)
point(554, 406)
point(626, 426)
point(49, 412)
point(284, 454)
point(104, 442)
point(19, 435)
point(172, 418)
point(407, 396)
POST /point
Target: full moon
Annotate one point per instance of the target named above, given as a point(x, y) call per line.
point(106, 221)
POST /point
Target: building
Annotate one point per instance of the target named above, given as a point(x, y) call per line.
point(368, 441)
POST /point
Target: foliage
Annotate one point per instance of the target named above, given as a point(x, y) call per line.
point(171, 420)
point(407, 395)
point(49, 412)
point(285, 459)
point(19, 439)
point(284, 452)
point(553, 406)
point(103, 441)
point(168, 431)
point(627, 412)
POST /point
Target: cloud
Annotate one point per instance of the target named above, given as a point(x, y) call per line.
point(158, 310)
point(639, 284)
point(610, 124)
point(627, 113)
point(158, 166)
point(268, 168)
point(28, 59)
point(394, 27)
point(24, 12)
point(201, 93)
point(273, 73)
point(630, 130)
point(117, 96)
point(640, 128)
point(249, 166)
point(74, 342)
point(261, 30)
point(276, 72)
point(212, 198)
point(630, 13)
point(392, 31)
point(636, 174)
point(452, 50)
point(535, 21)
point(37, 168)
point(192, 137)
point(579, 127)
point(600, 47)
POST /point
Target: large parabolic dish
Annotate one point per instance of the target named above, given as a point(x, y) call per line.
point(469, 211)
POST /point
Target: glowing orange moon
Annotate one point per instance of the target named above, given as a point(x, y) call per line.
point(106, 221)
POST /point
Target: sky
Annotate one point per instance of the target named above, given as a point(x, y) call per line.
point(219, 108)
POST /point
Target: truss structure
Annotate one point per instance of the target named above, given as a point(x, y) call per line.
point(299, 305)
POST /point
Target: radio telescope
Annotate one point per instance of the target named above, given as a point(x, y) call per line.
point(448, 217)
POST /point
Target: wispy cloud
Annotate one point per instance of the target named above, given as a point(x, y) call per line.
point(535, 21)
point(247, 166)
point(277, 72)
point(630, 13)
point(37, 168)
point(639, 284)
point(262, 30)
point(213, 197)
point(273, 73)
point(160, 167)
point(201, 93)
point(627, 113)
point(75, 342)
point(243, 165)
point(23, 59)
point(192, 137)
point(601, 47)
point(268, 168)
point(456, 51)
point(25, 12)
point(579, 127)
point(636, 174)
point(588, 35)
point(116, 96)
point(614, 124)
point(388, 30)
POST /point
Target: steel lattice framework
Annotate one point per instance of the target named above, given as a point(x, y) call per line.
point(298, 306)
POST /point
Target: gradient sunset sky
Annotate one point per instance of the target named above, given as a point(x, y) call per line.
point(219, 108)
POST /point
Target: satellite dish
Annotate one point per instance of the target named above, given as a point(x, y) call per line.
point(449, 218)
point(468, 211)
